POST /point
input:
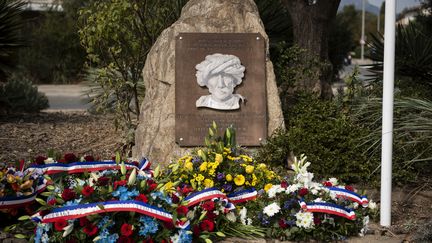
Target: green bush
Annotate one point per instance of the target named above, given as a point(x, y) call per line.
point(19, 95)
point(321, 131)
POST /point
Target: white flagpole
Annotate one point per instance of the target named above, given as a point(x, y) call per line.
point(387, 113)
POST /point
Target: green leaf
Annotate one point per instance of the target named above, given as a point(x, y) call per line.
point(41, 201)
point(101, 206)
point(24, 217)
point(208, 241)
point(220, 234)
point(117, 158)
point(20, 236)
point(156, 172)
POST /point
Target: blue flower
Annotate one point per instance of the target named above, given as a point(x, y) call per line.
point(185, 236)
point(161, 196)
point(220, 176)
point(105, 222)
point(149, 226)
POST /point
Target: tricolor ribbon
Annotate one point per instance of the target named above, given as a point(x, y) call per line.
point(82, 210)
point(79, 167)
point(243, 196)
point(329, 208)
point(206, 194)
point(19, 201)
point(350, 195)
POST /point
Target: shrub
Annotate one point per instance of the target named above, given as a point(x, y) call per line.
point(321, 130)
point(19, 95)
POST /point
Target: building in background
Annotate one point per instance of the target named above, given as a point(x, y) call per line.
point(43, 5)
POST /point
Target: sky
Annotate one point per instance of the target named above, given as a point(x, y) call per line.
point(400, 4)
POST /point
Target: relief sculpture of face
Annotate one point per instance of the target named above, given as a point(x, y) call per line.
point(220, 73)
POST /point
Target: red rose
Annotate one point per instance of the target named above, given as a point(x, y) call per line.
point(90, 229)
point(87, 191)
point(52, 201)
point(124, 239)
point(327, 183)
point(142, 198)
point(349, 188)
point(284, 184)
point(72, 240)
point(207, 225)
point(283, 224)
point(196, 230)
point(89, 158)
point(83, 221)
point(119, 183)
point(59, 225)
point(211, 215)
point(302, 192)
point(149, 240)
point(185, 190)
point(126, 230)
point(151, 185)
point(208, 206)
point(68, 194)
point(182, 210)
point(70, 157)
point(174, 198)
point(40, 160)
point(317, 221)
point(168, 225)
point(103, 181)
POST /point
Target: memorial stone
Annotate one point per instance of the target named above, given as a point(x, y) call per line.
point(246, 94)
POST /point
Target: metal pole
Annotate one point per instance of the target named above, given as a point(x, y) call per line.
point(387, 113)
point(362, 41)
point(378, 20)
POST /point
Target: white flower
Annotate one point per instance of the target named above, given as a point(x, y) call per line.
point(333, 181)
point(68, 229)
point(175, 238)
point(190, 214)
point(305, 179)
point(49, 161)
point(271, 209)
point(275, 189)
point(243, 215)
point(372, 205)
point(318, 200)
point(292, 188)
point(314, 191)
point(365, 226)
point(304, 220)
point(231, 217)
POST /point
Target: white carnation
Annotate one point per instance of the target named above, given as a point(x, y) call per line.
point(275, 189)
point(333, 181)
point(372, 205)
point(271, 209)
point(304, 220)
point(231, 217)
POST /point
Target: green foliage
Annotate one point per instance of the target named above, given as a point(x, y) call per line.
point(413, 60)
point(292, 66)
point(19, 95)
point(322, 131)
point(10, 26)
point(117, 35)
point(54, 53)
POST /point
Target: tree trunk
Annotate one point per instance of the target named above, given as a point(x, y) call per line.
point(311, 26)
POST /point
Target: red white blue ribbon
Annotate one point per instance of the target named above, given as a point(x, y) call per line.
point(19, 201)
point(82, 210)
point(329, 208)
point(350, 195)
point(243, 196)
point(80, 167)
point(206, 194)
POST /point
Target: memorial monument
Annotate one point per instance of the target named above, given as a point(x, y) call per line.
point(210, 65)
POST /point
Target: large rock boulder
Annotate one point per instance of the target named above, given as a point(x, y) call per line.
point(155, 135)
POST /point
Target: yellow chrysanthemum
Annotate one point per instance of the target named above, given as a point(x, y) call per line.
point(262, 166)
point(249, 169)
point(239, 180)
point(203, 166)
point(267, 187)
point(168, 186)
point(188, 166)
point(208, 183)
point(229, 177)
point(218, 158)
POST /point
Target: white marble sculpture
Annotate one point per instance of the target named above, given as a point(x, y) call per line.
point(220, 73)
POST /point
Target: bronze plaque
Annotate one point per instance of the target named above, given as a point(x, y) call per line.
point(220, 77)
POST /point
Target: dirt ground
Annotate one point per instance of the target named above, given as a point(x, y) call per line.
point(26, 136)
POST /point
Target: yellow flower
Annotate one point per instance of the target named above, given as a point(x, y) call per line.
point(229, 177)
point(249, 169)
point(208, 183)
point(218, 158)
point(246, 158)
point(168, 186)
point(203, 166)
point(10, 179)
point(267, 187)
point(270, 174)
point(239, 180)
point(199, 177)
point(188, 166)
point(262, 166)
